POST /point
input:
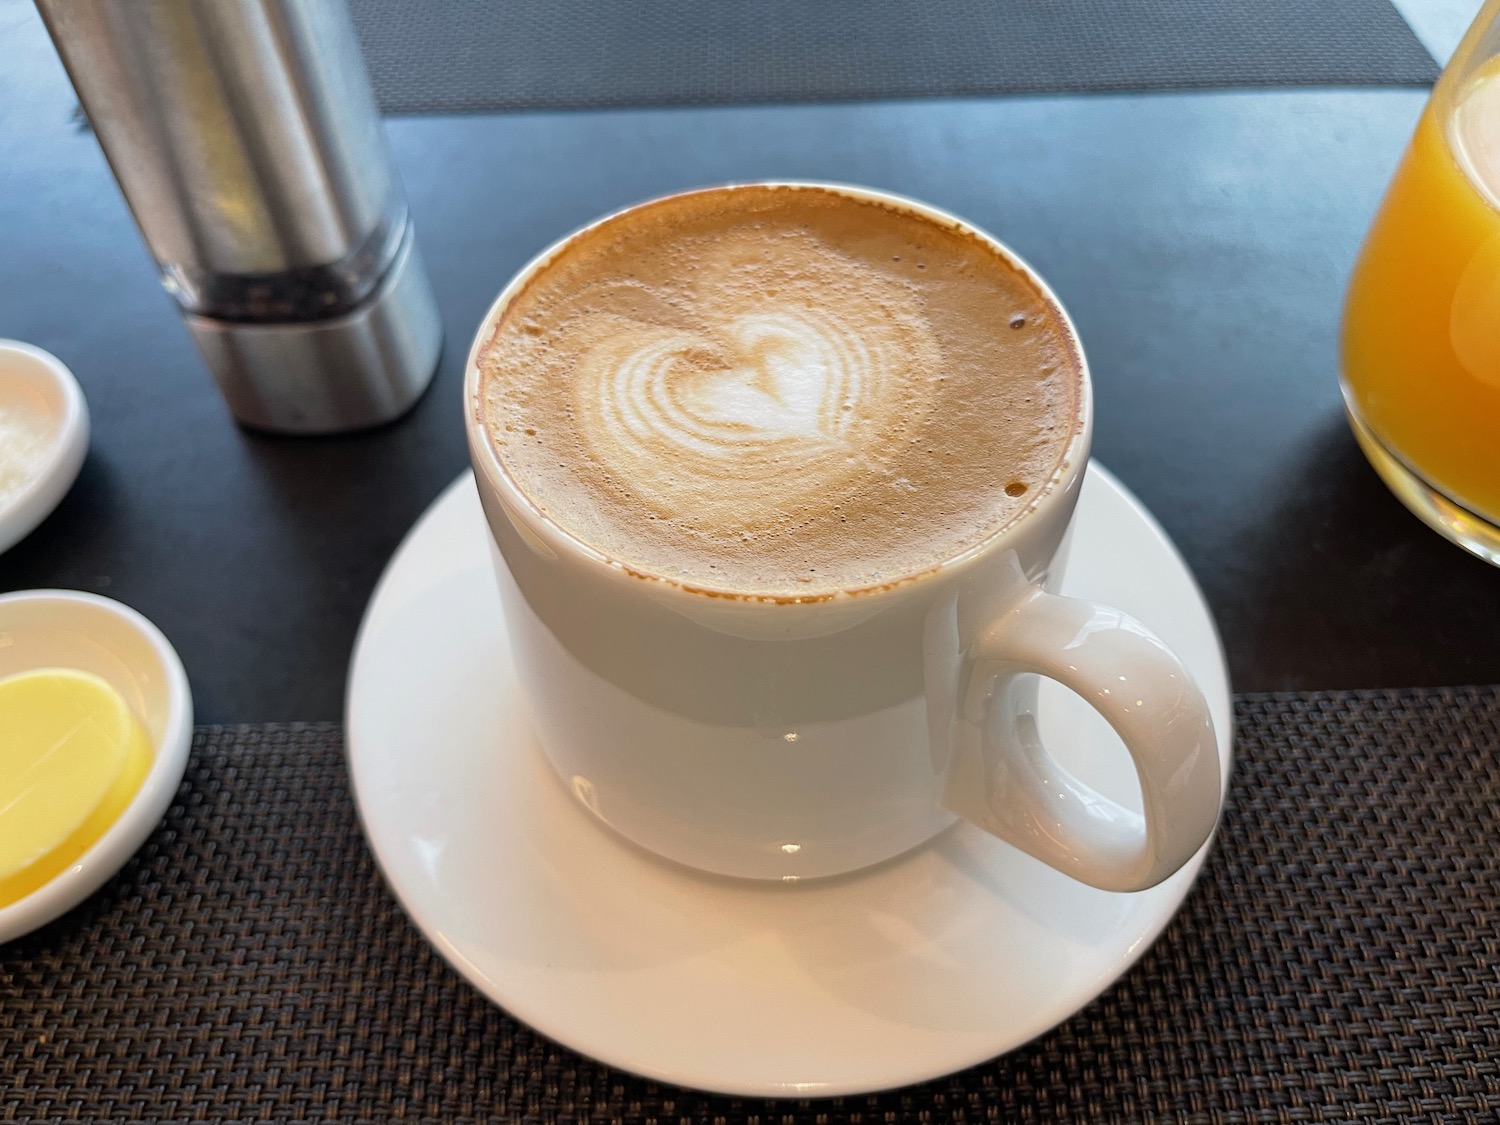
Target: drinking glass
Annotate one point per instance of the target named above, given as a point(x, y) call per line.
point(1421, 331)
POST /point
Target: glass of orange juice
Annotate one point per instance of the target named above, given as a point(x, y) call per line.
point(1421, 333)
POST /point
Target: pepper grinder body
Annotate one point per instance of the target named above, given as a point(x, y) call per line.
point(245, 137)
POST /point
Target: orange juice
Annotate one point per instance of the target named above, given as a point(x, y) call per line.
point(1421, 340)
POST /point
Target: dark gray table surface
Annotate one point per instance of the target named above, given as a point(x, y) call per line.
point(1201, 242)
point(480, 56)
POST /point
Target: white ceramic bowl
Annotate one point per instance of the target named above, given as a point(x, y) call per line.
point(68, 629)
point(39, 382)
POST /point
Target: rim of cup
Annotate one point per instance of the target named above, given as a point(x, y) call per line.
point(559, 540)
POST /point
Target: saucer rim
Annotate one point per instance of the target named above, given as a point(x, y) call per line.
point(606, 1050)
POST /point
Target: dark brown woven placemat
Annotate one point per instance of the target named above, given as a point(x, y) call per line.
point(474, 56)
point(1338, 960)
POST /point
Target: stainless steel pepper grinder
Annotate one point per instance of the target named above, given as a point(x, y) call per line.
point(245, 137)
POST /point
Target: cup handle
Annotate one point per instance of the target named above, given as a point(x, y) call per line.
point(1012, 787)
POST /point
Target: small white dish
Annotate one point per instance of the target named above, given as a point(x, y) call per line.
point(950, 955)
point(70, 629)
point(37, 385)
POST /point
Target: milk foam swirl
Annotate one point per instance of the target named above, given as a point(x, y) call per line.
point(768, 401)
point(772, 390)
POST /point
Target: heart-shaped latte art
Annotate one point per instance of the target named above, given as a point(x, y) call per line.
point(770, 406)
point(771, 378)
point(772, 390)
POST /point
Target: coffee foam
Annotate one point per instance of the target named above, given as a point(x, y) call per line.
point(778, 391)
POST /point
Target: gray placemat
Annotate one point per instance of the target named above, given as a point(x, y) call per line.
point(445, 56)
point(1339, 959)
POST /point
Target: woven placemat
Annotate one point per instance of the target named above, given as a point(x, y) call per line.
point(445, 56)
point(1339, 959)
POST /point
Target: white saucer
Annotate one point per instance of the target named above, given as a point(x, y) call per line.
point(948, 956)
point(69, 629)
point(40, 385)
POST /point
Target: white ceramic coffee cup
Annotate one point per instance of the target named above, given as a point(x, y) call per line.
point(782, 739)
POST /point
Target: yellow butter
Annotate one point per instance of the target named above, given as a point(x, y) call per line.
point(72, 757)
